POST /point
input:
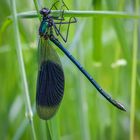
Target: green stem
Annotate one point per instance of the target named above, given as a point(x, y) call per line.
point(134, 71)
point(29, 112)
point(81, 102)
point(55, 128)
point(48, 132)
point(109, 14)
point(37, 9)
point(3, 28)
point(116, 73)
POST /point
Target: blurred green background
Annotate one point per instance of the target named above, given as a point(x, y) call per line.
point(104, 46)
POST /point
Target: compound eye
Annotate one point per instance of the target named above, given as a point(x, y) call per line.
point(44, 11)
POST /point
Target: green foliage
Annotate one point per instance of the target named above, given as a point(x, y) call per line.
point(106, 47)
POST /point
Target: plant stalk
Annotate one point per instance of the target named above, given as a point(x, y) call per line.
point(29, 112)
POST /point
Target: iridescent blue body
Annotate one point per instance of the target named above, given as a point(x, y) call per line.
point(43, 27)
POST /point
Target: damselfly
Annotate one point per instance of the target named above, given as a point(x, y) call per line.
point(50, 83)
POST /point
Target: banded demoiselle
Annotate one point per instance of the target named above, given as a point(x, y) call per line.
point(50, 83)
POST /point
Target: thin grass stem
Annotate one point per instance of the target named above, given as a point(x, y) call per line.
point(37, 9)
point(134, 71)
point(106, 14)
point(29, 112)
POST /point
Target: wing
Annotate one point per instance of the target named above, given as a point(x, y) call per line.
point(50, 82)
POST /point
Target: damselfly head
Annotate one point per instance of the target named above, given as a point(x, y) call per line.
point(45, 11)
